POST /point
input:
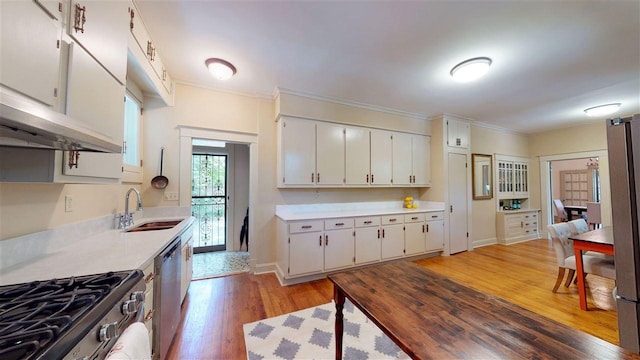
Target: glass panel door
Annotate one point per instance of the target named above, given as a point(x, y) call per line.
point(209, 202)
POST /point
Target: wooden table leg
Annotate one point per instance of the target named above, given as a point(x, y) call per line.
point(338, 297)
point(582, 291)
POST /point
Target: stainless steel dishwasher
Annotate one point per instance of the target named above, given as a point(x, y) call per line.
point(167, 297)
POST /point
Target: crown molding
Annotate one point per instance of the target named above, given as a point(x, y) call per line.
point(226, 91)
point(280, 90)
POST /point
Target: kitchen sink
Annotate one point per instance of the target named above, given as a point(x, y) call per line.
point(155, 225)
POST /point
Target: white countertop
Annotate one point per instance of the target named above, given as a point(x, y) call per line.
point(517, 211)
point(110, 250)
point(341, 210)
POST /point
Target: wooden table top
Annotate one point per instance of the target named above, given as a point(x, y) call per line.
point(432, 317)
point(599, 236)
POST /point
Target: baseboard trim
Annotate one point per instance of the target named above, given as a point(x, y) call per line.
point(484, 242)
point(263, 268)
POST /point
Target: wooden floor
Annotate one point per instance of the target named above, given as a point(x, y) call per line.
point(215, 310)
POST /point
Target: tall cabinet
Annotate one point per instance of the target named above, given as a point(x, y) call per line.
point(516, 221)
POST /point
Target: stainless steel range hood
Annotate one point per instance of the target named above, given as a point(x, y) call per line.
point(25, 124)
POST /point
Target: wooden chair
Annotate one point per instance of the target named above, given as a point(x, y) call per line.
point(560, 211)
point(593, 213)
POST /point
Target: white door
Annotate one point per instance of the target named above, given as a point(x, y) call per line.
point(576, 187)
point(458, 228)
point(329, 154)
point(357, 157)
point(421, 155)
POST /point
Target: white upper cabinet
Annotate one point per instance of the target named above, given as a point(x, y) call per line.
point(458, 133)
point(381, 158)
point(30, 49)
point(421, 159)
point(101, 28)
point(512, 175)
point(329, 154)
point(316, 153)
point(104, 113)
point(297, 152)
point(357, 156)
point(402, 163)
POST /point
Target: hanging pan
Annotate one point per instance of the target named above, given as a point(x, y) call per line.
point(160, 182)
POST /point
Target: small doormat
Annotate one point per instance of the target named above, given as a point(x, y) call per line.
point(219, 263)
point(310, 334)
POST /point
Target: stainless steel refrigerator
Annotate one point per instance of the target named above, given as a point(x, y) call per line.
point(623, 142)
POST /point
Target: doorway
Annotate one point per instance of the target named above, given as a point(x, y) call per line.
point(574, 182)
point(458, 206)
point(209, 201)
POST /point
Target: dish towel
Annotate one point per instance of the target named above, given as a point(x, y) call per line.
point(132, 344)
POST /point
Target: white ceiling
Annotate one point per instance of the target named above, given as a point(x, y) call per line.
point(551, 60)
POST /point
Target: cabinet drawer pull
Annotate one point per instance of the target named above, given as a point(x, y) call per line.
point(339, 224)
point(393, 220)
point(79, 18)
point(149, 278)
point(368, 222)
point(434, 216)
point(149, 315)
point(414, 218)
point(307, 226)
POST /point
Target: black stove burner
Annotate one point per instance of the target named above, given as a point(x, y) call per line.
point(34, 315)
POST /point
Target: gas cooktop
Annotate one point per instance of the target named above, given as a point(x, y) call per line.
point(47, 319)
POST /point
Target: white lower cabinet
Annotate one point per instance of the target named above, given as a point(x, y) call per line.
point(187, 262)
point(434, 227)
point(367, 240)
point(149, 308)
point(392, 237)
point(414, 234)
point(517, 226)
point(312, 247)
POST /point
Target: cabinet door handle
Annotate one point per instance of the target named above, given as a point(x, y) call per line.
point(422, 227)
point(312, 178)
point(149, 315)
point(372, 178)
point(79, 18)
point(306, 226)
point(427, 227)
point(368, 222)
point(367, 178)
point(378, 233)
point(149, 278)
point(320, 240)
point(318, 178)
point(326, 240)
point(521, 224)
point(383, 233)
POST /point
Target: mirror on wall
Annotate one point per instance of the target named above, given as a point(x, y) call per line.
point(482, 176)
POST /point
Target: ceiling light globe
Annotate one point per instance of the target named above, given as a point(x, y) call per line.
point(470, 70)
point(220, 69)
point(602, 110)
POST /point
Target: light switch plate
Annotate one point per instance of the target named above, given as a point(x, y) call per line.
point(68, 203)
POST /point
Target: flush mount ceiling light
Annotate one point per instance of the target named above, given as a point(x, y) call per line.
point(471, 69)
point(601, 110)
point(220, 69)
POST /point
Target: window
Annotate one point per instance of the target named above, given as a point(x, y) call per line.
point(131, 158)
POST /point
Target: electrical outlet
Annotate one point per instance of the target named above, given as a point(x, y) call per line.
point(68, 203)
point(171, 196)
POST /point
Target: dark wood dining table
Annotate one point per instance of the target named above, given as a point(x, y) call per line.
point(600, 240)
point(570, 209)
point(430, 316)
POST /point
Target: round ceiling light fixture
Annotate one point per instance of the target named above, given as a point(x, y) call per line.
point(602, 110)
point(471, 69)
point(220, 69)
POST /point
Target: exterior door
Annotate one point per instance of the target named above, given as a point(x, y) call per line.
point(458, 193)
point(209, 202)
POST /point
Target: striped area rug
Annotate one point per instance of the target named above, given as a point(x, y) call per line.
point(309, 334)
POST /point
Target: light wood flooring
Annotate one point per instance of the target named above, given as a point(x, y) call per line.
point(215, 309)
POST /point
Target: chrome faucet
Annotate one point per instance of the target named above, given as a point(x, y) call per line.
point(126, 219)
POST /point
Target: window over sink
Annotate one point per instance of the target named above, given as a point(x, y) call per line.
point(131, 147)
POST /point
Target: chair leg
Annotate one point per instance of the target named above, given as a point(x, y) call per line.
point(569, 278)
point(559, 279)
